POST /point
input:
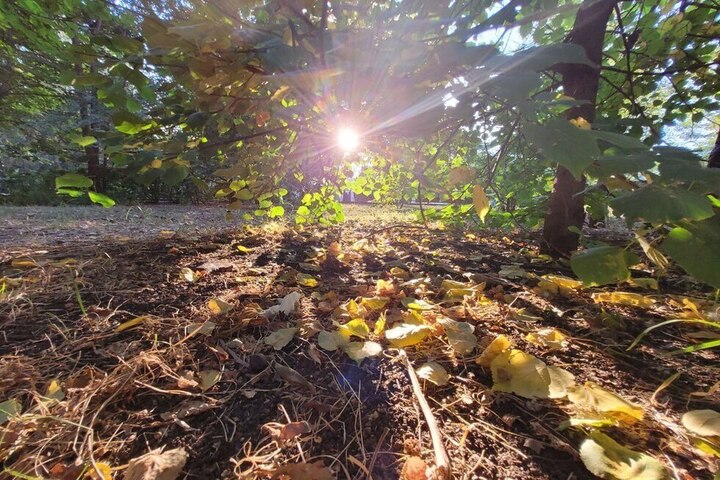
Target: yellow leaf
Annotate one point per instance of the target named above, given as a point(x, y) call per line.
point(649, 283)
point(591, 398)
point(305, 280)
point(398, 272)
point(558, 284)
point(188, 274)
point(380, 324)
point(358, 351)
point(104, 469)
point(705, 423)
point(517, 372)
point(480, 202)
point(23, 263)
point(54, 390)
point(606, 458)
point(461, 174)
point(551, 338)
point(417, 304)
point(130, 323)
point(243, 249)
point(500, 344)
point(623, 298)
point(374, 303)
point(433, 372)
point(330, 341)
point(280, 338)
point(356, 326)
point(406, 334)
point(218, 306)
point(704, 445)
point(157, 163)
point(208, 378)
point(581, 123)
point(460, 335)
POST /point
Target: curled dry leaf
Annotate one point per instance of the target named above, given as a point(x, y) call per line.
point(496, 347)
point(282, 433)
point(606, 458)
point(302, 471)
point(705, 423)
point(130, 323)
point(188, 274)
point(292, 377)
point(218, 306)
point(280, 338)
point(287, 306)
point(433, 372)
point(550, 338)
point(414, 469)
point(156, 465)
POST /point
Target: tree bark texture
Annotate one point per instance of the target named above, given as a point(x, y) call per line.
point(581, 82)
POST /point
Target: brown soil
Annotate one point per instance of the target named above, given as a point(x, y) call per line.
point(125, 393)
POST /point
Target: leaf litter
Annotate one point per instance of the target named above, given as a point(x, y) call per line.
point(496, 355)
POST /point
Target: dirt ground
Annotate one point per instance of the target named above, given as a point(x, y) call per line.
point(207, 376)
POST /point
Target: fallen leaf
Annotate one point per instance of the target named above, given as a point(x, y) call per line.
point(406, 334)
point(357, 327)
point(591, 398)
point(649, 283)
point(311, 267)
point(99, 471)
point(384, 287)
point(331, 341)
point(201, 328)
point(417, 304)
point(287, 306)
point(156, 465)
point(303, 471)
point(130, 323)
point(293, 377)
point(460, 335)
point(9, 409)
point(306, 280)
point(515, 371)
point(359, 351)
point(374, 303)
point(218, 306)
point(243, 249)
point(500, 344)
point(623, 298)
point(414, 469)
point(24, 263)
point(188, 274)
point(282, 433)
point(480, 202)
point(280, 338)
point(433, 372)
point(208, 379)
point(551, 338)
point(512, 271)
point(380, 325)
point(606, 458)
point(398, 272)
point(705, 423)
point(54, 391)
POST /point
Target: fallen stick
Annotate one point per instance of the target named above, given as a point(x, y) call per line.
point(442, 460)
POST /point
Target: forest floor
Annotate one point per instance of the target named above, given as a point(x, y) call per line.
point(129, 330)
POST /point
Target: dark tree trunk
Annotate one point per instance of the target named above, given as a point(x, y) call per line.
point(714, 158)
point(566, 209)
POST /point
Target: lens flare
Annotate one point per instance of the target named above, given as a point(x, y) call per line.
point(348, 140)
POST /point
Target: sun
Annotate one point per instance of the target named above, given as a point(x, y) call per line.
point(347, 139)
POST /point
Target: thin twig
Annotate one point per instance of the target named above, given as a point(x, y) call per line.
point(442, 460)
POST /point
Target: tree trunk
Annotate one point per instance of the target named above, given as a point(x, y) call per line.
point(566, 209)
point(714, 158)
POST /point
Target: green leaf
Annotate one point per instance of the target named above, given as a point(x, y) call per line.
point(602, 265)
point(696, 247)
point(560, 141)
point(85, 141)
point(657, 204)
point(70, 192)
point(606, 458)
point(276, 211)
point(101, 199)
point(129, 123)
point(73, 180)
point(619, 164)
point(175, 174)
point(621, 141)
point(9, 409)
